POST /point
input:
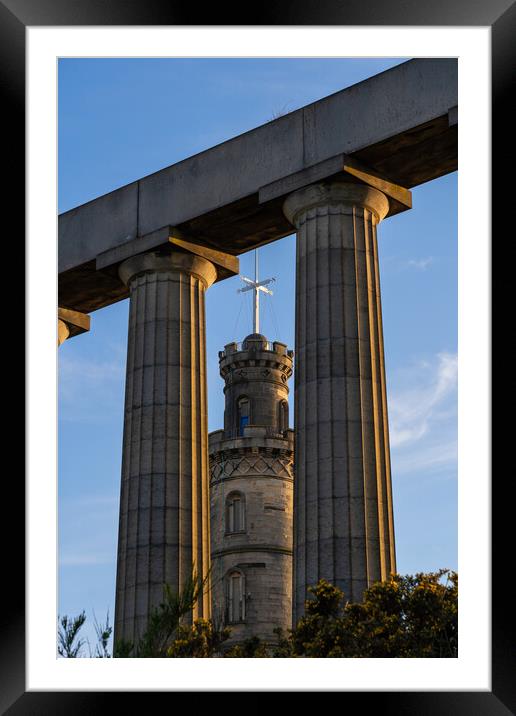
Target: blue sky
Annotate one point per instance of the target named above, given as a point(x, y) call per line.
point(120, 119)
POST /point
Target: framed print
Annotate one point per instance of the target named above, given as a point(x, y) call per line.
point(29, 28)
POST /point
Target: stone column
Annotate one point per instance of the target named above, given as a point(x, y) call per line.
point(164, 505)
point(343, 519)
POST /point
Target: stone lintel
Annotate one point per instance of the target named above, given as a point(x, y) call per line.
point(297, 180)
point(400, 199)
point(341, 168)
point(168, 238)
point(76, 321)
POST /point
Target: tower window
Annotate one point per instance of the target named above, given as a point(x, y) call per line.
point(283, 416)
point(235, 512)
point(235, 597)
point(243, 414)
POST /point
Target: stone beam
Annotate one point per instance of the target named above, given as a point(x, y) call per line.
point(399, 127)
point(173, 239)
point(70, 323)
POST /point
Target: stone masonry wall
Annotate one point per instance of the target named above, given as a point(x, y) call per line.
point(261, 470)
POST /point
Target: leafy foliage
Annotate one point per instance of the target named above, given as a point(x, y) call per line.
point(251, 647)
point(103, 632)
point(68, 644)
point(164, 621)
point(406, 616)
point(165, 635)
point(201, 639)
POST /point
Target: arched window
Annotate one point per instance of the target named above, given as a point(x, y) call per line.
point(235, 597)
point(243, 414)
point(235, 512)
point(283, 416)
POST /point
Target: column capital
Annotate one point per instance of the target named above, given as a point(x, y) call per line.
point(175, 261)
point(162, 242)
point(337, 193)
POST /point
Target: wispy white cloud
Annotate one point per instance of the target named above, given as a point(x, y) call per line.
point(77, 372)
point(413, 409)
point(84, 560)
point(430, 457)
point(420, 264)
point(423, 416)
point(398, 264)
point(89, 501)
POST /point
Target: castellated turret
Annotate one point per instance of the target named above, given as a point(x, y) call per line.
point(251, 492)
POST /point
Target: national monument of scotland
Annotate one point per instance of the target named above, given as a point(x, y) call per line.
point(260, 510)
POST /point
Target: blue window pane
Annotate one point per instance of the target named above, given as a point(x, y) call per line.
point(244, 420)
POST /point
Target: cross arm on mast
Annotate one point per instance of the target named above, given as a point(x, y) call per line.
point(260, 285)
point(256, 286)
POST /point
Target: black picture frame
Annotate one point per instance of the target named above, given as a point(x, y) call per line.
point(500, 16)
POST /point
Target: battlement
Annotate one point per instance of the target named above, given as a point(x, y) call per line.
point(256, 352)
point(253, 344)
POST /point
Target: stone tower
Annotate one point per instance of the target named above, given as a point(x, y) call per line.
point(251, 492)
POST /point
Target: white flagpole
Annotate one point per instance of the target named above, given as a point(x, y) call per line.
point(256, 326)
point(256, 286)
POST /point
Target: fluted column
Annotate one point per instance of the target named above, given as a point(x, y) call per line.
point(164, 505)
point(343, 520)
